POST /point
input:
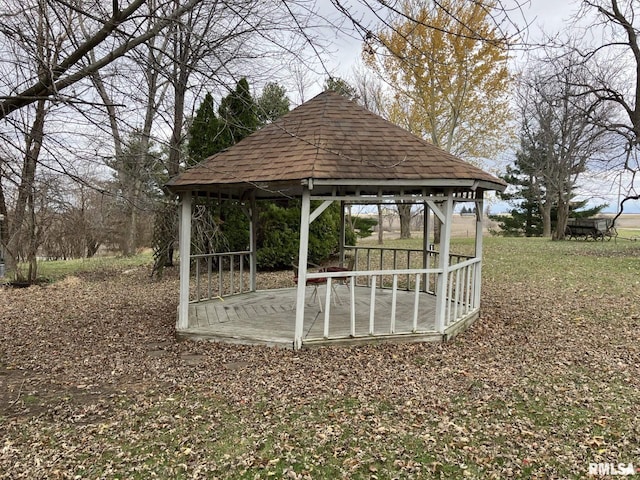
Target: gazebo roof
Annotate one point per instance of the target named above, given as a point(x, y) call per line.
point(331, 140)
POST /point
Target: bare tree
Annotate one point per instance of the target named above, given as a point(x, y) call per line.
point(117, 59)
point(562, 132)
point(45, 42)
point(113, 35)
point(614, 64)
point(50, 48)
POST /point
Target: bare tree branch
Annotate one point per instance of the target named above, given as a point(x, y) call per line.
point(48, 86)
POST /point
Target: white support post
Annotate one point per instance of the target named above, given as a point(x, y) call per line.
point(428, 225)
point(253, 243)
point(416, 305)
point(445, 241)
point(303, 253)
point(427, 228)
point(394, 301)
point(185, 261)
point(477, 278)
point(372, 306)
point(342, 233)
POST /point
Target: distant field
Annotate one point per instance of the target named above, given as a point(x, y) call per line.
point(464, 226)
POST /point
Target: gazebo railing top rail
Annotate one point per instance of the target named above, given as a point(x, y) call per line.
point(402, 249)
point(219, 254)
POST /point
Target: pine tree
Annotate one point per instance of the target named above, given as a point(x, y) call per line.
point(237, 118)
point(272, 104)
point(526, 217)
point(203, 132)
point(342, 87)
point(238, 115)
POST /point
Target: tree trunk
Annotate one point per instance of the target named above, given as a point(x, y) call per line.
point(561, 221)
point(180, 77)
point(32, 249)
point(545, 210)
point(25, 189)
point(437, 229)
point(404, 212)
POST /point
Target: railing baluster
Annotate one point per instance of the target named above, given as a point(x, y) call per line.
point(467, 299)
point(372, 306)
point(425, 276)
point(457, 296)
point(447, 317)
point(474, 272)
point(241, 273)
point(197, 279)
point(394, 298)
point(416, 303)
point(408, 267)
point(220, 291)
point(209, 273)
point(327, 308)
point(231, 277)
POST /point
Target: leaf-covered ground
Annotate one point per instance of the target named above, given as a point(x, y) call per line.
point(94, 385)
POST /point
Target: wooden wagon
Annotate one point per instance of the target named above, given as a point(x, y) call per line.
point(590, 228)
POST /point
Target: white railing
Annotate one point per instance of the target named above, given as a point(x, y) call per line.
point(350, 277)
point(384, 258)
point(462, 284)
point(459, 290)
point(220, 275)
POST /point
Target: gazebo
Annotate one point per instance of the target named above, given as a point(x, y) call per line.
point(328, 150)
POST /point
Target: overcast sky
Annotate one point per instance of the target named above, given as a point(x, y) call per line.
point(543, 17)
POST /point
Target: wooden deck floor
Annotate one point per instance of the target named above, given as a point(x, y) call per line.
point(268, 317)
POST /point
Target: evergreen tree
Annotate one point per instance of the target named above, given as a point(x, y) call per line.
point(272, 104)
point(237, 118)
point(342, 87)
point(526, 217)
point(209, 135)
point(204, 132)
point(237, 115)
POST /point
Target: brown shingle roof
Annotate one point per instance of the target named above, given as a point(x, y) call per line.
point(330, 137)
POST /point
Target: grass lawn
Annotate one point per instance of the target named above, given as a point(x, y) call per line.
point(53, 270)
point(94, 384)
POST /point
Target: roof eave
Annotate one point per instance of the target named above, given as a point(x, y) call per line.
point(294, 188)
point(469, 183)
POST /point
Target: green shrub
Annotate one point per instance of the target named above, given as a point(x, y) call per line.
point(279, 234)
point(364, 226)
